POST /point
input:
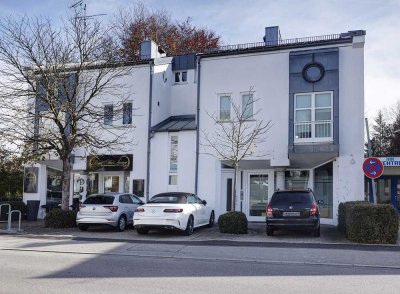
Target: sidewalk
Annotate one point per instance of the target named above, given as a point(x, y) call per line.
point(255, 237)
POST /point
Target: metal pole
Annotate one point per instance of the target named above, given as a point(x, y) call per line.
point(369, 155)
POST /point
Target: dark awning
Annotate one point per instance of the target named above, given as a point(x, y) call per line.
point(176, 123)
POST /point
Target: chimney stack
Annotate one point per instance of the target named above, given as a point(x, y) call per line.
point(272, 36)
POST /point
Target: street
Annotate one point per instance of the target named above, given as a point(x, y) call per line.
point(70, 266)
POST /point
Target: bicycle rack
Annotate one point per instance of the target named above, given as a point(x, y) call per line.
point(9, 221)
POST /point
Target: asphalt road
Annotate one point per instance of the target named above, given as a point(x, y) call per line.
point(67, 266)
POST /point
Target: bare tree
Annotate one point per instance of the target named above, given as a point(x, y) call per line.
point(53, 80)
point(236, 138)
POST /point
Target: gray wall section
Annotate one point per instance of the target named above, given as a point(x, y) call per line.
point(329, 58)
point(184, 62)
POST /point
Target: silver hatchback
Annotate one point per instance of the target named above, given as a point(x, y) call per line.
point(114, 209)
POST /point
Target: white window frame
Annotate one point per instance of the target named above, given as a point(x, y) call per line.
point(313, 122)
point(180, 73)
point(253, 104)
point(219, 106)
point(104, 114)
point(173, 173)
point(122, 119)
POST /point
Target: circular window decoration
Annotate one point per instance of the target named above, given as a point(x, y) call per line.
point(313, 72)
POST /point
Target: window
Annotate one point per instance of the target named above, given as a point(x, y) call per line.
point(173, 160)
point(224, 107)
point(313, 117)
point(111, 184)
point(247, 105)
point(125, 199)
point(108, 114)
point(181, 77)
point(127, 113)
point(138, 188)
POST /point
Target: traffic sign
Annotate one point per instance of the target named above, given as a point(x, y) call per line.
point(373, 167)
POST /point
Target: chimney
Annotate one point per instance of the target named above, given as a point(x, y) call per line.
point(150, 50)
point(272, 36)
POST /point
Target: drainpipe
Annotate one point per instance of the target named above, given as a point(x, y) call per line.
point(149, 129)
point(198, 126)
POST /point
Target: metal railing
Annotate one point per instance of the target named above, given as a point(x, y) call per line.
point(319, 130)
point(9, 219)
point(285, 42)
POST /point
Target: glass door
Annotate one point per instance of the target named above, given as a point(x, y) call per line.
point(111, 184)
point(258, 196)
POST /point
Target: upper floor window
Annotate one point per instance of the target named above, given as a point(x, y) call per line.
point(108, 114)
point(247, 105)
point(224, 107)
point(180, 76)
point(127, 113)
point(313, 117)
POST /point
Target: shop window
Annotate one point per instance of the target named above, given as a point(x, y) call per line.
point(93, 184)
point(138, 188)
point(296, 179)
point(111, 184)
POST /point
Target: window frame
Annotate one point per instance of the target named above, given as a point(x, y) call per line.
point(104, 114)
point(180, 74)
point(123, 113)
point(313, 121)
point(220, 95)
point(242, 94)
point(173, 173)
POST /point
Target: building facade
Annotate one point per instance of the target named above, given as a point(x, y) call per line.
point(310, 89)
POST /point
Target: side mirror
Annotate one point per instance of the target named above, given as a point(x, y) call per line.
point(320, 201)
point(204, 202)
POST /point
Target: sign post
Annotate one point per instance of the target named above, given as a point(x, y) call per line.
point(373, 169)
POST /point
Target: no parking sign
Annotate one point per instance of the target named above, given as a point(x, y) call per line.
point(373, 167)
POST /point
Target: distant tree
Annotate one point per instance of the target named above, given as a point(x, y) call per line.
point(382, 133)
point(236, 138)
point(10, 175)
point(395, 132)
point(51, 78)
point(139, 23)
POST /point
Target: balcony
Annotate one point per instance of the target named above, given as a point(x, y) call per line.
point(313, 131)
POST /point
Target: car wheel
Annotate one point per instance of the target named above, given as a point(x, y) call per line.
point(189, 226)
point(83, 227)
point(212, 220)
point(270, 232)
point(317, 232)
point(121, 225)
point(142, 231)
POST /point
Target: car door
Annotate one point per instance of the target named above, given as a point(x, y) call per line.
point(128, 206)
point(192, 201)
point(136, 202)
point(203, 215)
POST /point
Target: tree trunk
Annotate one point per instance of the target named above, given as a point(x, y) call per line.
point(65, 178)
point(233, 207)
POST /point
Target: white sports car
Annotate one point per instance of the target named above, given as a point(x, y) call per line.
point(174, 210)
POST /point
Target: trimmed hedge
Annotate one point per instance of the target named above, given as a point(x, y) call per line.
point(15, 205)
point(58, 218)
point(233, 222)
point(368, 223)
point(342, 214)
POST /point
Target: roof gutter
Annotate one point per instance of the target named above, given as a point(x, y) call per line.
point(149, 135)
point(198, 126)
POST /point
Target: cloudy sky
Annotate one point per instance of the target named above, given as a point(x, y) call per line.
point(239, 21)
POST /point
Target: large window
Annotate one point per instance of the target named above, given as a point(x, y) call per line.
point(173, 161)
point(313, 117)
point(247, 105)
point(224, 107)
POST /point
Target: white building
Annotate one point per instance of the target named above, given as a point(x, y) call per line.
point(311, 89)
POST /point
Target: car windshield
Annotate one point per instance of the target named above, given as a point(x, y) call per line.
point(291, 198)
point(168, 199)
point(99, 199)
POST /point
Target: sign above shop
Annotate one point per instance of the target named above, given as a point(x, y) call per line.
point(390, 161)
point(372, 167)
point(110, 162)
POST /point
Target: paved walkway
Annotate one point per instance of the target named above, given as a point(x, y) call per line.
point(256, 235)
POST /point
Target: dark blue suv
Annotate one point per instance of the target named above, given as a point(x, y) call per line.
point(293, 210)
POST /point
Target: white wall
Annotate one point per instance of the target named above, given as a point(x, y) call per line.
point(184, 95)
point(41, 191)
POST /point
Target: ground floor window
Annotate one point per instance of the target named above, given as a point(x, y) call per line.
point(323, 189)
point(258, 194)
point(54, 188)
point(111, 184)
point(296, 179)
point(138, 188)
point(93, 183)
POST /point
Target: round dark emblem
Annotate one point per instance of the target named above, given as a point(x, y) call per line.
point(313, 72)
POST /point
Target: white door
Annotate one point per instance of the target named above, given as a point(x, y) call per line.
point(259, 187)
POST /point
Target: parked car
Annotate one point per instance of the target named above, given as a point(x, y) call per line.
point(114, 209)
point(175, 211)
point(293, 210)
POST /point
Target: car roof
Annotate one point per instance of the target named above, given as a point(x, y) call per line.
point(173, 194)
point(109, 194)
point(294, 191)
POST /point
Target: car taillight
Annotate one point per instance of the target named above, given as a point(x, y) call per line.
point(269, 211)
point(314, 209)
point(81, 206)
point(111, 207)
point(139, 209)
point(173, 210)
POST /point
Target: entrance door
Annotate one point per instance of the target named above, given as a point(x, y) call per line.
point(225, 202)
point(258, 196)
point(111, 184)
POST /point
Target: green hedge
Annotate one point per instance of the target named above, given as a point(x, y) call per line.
point(369, 223)
point(342, 214)
point(58, 218)
point(15, 205)
point(233, 222)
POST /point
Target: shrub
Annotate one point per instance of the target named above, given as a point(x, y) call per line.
point(233, 222)
point(58, 218)
point(373, 224)
point(15, 205)
point(342, 214)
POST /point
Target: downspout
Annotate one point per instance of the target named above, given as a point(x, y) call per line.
point(149, 129)
point(198, 126)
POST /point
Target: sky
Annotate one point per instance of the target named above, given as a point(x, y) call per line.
point(239, 21)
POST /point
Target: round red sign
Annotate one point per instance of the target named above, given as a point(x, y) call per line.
point(372, 167)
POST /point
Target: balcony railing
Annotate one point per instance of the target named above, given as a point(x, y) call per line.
point(313, 131)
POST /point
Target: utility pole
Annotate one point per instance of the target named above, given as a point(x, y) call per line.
point(370, 155)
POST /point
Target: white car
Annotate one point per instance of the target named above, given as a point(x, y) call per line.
point(174, 210)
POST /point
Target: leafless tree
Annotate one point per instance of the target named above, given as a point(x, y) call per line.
point(52, 82)
point(236, 138)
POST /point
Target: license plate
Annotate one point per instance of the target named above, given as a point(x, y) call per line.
point(291, 213)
